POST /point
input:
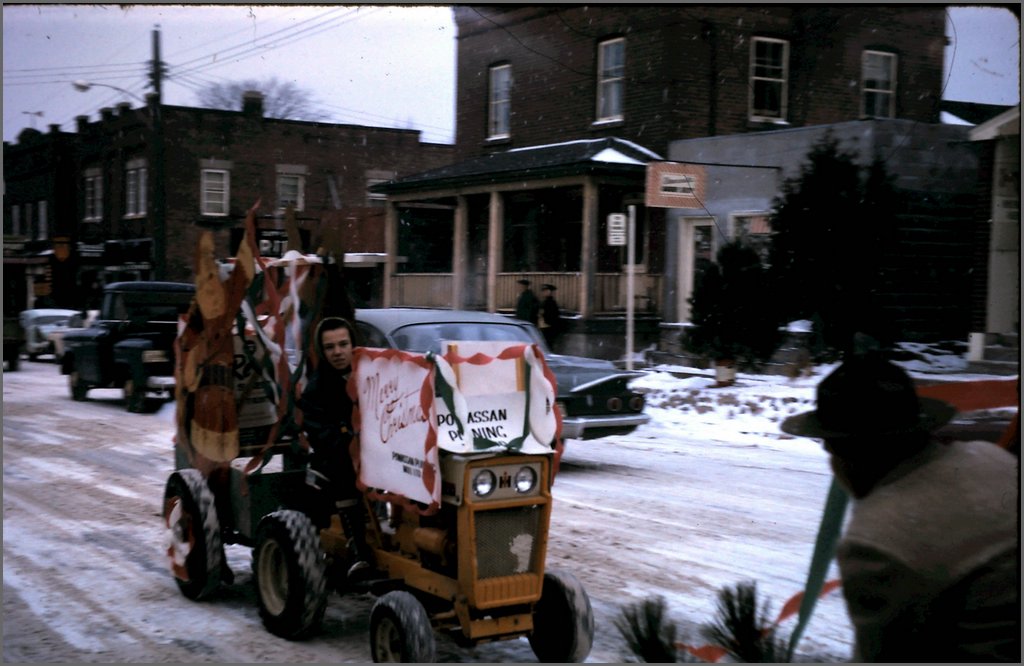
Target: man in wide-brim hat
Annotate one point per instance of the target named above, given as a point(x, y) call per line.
point(930, 557)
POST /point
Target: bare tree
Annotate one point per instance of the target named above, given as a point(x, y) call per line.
point(281, 99)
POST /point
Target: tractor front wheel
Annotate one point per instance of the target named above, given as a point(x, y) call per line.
point(400, 630)
point(563, 620)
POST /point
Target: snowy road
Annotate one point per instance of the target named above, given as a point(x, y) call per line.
point(670, 511)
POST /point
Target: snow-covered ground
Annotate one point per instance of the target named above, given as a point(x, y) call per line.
point(710, 493)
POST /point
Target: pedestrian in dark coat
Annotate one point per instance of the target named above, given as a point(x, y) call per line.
point(327, 423)
point(929, 558)
point(550, 319)
point(528, 304)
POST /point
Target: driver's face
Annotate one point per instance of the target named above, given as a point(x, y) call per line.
point(337, 345)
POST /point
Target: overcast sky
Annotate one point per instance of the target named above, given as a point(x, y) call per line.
point(391, 66)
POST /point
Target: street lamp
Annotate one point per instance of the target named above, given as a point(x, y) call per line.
point(84, 86)
point(156, 160)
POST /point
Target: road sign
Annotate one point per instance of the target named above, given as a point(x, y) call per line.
point(616, 229)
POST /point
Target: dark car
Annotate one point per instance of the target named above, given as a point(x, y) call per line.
point(130, 345)
point(593, 394)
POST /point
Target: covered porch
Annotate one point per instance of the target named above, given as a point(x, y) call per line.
point(461, 236)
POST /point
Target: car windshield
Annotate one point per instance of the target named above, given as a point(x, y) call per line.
point(424, 338)
point(148, 306)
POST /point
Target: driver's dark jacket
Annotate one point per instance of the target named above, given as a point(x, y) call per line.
point(326, 420)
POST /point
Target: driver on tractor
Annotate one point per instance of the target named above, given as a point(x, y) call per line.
point(326, 422)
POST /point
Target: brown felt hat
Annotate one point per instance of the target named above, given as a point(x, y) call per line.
point(868, 396)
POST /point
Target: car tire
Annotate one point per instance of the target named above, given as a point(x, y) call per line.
point(290, 574)
point(77, 387)
point(135, 397)
point(563, 620)
point(32, 357)
point(194, 546)
point(12, 362)
point(400, 630)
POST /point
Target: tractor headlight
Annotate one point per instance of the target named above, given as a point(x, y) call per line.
point(526, 479)
point(484, 483)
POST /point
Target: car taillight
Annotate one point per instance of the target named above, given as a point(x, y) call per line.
point(636, 403)
point(614, 404)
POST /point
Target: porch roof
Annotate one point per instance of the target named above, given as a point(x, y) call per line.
point(589, 156)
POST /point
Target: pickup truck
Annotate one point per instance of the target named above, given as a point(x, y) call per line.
point(130, 345)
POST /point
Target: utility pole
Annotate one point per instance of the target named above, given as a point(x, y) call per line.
point(159, 220)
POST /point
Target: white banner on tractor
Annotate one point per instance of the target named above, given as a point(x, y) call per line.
point(477, 397)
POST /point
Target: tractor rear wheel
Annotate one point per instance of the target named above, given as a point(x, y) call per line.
point(291, 576)
point(194, 545)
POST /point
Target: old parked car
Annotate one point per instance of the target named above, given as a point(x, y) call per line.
point(40, 323)
point(130, 345)
point(593, 395)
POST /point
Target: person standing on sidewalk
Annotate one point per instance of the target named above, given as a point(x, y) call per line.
point(528, 304)
point(929, 559)
point(550, 319)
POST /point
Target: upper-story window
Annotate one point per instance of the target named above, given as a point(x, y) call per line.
point(611, 70)
point(499, 107)
point(878, 84)
point(15, 220)
point(214, 188)
point(375, 177)
point(135, 182)
point(93, 195)
point(291, 186)
point(43, 225)
point(769, 74)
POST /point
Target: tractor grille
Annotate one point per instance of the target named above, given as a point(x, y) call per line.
point(507, 541)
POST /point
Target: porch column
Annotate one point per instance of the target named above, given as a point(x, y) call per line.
point(391, 252)
point(460, 251)
point(588, 262)
point(495, 249)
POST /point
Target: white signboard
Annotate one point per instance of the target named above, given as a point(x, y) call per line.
point(396, 449)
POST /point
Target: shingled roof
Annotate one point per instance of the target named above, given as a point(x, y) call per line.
point(590, 156)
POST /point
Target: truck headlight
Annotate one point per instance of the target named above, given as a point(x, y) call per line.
point(484, 483)
point(154, 356)
point(526, 479)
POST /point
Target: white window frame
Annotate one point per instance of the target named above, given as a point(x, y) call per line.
point(93, 189)
point(136, 177)
point(214, 196)
point(760, 240)
point(373, 177)
point(611, 82)
point(769, 74)
point(296, 174)
point(870, 88)
point(499, 102)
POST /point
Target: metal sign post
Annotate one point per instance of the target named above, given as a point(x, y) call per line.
point(630, 261)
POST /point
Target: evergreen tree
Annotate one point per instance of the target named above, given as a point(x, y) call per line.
point(830, 228)
point(732, 311)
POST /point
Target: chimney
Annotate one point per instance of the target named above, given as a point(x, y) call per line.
point(106, 113)
point(54, 128)
point(123, 108)
point(83, 122)
point(252, 103)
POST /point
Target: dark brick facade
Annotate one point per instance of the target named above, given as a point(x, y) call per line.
point(687, 67)
point(338, 161)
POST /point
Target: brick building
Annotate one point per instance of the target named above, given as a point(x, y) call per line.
point(127, 197)
point(561, 108)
